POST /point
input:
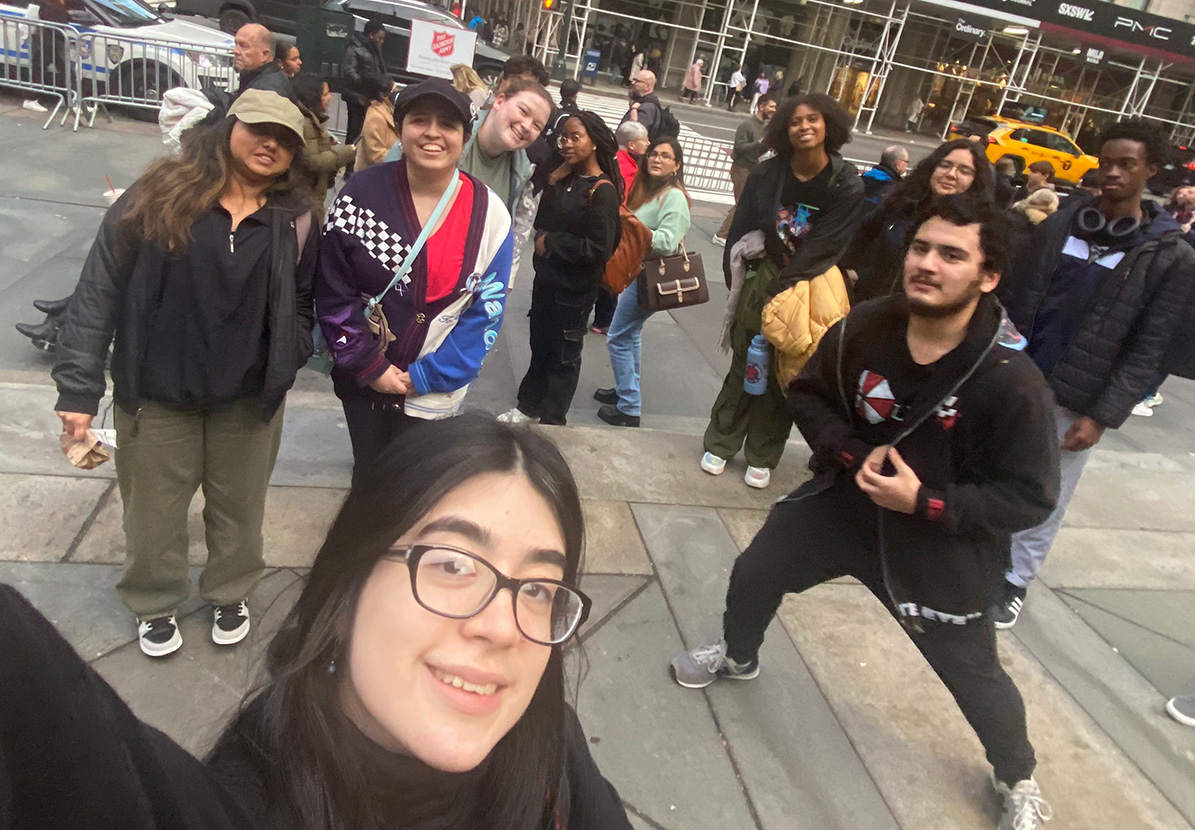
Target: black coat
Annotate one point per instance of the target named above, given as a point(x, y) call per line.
point(979, 433)
point(361, 58)
point(117, 296)
point(578, 217)
point(827, 239)
point(1129, 329)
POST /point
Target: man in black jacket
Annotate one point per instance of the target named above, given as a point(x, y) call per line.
point(362, 58)
point(645, 106)
point(1099, 296)
point(253, 59)
point(937, 372)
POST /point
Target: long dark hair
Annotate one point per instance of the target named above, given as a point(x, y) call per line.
point(173, 191)
point(605, 144)
point(644, 188)
point(295, 728)
point(309, 89)
point(838, 123)
point(914, 188)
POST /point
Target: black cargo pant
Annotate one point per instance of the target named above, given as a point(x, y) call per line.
point(820, 537)
point(557, 338)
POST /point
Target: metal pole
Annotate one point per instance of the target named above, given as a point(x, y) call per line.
point(876, 62)
point(581, 41)
point(887, 67)
point(747, 40)
point(718, 50)
point(562, 53)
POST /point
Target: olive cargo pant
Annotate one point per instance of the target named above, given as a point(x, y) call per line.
point(164, 456)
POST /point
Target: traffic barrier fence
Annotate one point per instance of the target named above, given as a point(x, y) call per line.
point(39, 58)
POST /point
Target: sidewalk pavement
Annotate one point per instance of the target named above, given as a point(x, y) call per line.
point(846, 726)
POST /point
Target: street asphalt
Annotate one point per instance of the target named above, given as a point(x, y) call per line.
point(846, 727)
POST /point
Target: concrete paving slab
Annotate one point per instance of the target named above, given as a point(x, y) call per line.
point(920, 750)
point(1166, 663)
point(667, 759)
point(643, 465)
point(790, 750)
point(612, 541)
point(315, 450)
point(297, 520)
point(1133, 491)
point(29, 434)
point(191, 694)
point(1094, 557)
point(40, 516)
point(742, 525)
point(608, 592)
point(1169, 614)
point(1114, 695)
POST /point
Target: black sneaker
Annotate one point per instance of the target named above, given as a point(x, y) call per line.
point(1007, 608)
point(614, 416)
point(606, 395)
point(159, 636)
point(230, 624)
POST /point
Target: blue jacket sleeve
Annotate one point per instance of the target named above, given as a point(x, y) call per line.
point(459, 358)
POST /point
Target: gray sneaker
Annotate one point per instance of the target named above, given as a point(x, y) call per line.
point(701, 666)
point(1182, 709)
point(1024, 808)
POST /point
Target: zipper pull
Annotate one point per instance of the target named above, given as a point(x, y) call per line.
point(231, 247)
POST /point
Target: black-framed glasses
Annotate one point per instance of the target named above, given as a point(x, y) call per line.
point(457, 584)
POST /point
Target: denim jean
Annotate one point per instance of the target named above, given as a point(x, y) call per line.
point(624, 341)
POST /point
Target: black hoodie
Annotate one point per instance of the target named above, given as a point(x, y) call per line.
point(978, 431)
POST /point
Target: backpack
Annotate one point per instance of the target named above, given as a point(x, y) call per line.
point(632, 245)
point(666, 127)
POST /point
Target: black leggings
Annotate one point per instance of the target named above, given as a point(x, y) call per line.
point(807, 542)
point(372, 426)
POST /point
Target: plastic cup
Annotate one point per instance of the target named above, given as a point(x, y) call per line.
point(110, 196)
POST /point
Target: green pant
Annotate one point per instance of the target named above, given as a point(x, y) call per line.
point(757, 424)
point(164, 456)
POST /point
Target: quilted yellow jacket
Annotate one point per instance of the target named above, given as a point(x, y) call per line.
point(795, 320)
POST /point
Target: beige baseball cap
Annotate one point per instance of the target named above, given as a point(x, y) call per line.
point(261, 106)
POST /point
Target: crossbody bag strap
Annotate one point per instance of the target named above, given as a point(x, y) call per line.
point(409, 261)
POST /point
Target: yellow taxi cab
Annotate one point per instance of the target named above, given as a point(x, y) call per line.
point(1026, 143)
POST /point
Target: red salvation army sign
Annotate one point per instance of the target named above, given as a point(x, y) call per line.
point(435, 48)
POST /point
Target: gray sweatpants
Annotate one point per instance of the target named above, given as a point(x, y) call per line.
point(1029, 547)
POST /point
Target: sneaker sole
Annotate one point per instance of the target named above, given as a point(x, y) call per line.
point(230, 638)
point(1004, 626)
point(172, 645)
point(714, 471)
point(685, 685)
point(751, 675)
point(1172, 710)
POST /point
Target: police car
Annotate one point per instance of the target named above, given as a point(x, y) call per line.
point(128, 49)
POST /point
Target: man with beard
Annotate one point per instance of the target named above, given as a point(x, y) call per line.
point(645, 106)
point(932, 439)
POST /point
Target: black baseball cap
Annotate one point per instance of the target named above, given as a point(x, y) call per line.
point(461, 103)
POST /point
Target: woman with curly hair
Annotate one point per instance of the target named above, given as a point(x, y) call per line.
point(576, 230)
point(877, 253)
point(805, 202)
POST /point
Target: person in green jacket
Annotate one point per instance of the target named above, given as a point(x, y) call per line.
point(322, 157)
point(659, 200)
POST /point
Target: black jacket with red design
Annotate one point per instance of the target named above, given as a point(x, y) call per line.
point(978, 431)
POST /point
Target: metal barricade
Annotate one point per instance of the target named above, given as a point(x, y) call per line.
point(39, 57)
point(132, 72)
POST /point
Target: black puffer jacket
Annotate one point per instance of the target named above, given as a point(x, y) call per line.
point(1128, 329)
point(117, 296)
point(361, 58)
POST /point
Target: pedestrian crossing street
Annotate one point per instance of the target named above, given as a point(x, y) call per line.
point(612, 110)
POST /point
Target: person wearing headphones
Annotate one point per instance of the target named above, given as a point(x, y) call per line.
point(1099, 297)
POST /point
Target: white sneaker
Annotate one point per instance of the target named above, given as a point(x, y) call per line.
point(33, 105)
point(1024, 808)
point(720, 241)
point(1153, 400)
point(712, 464)
point(758, 477)
point(159, 636)
point(1143, 409)
point(230, 623)
point(515, 416)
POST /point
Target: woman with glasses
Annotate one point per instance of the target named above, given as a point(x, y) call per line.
point(576, 230)
point(418, 681)
point(659, 200)
point(877, 253)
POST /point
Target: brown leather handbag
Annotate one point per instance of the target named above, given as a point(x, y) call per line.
point(676, 281)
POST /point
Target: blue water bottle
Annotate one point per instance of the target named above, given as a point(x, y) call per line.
point(755, 381)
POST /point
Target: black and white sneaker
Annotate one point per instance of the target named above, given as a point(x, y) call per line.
point(159, 636)
point(1008, 606)
point(230, 624)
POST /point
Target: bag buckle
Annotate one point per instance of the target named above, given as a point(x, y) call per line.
point(678, 288)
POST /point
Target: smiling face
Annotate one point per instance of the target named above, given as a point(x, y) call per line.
point(944, 271)
point(954, 174)
point(806, 129)
point(514, 123)
point(444, 690)
point(261, 152)
point(765, 110)
point(432, 135)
